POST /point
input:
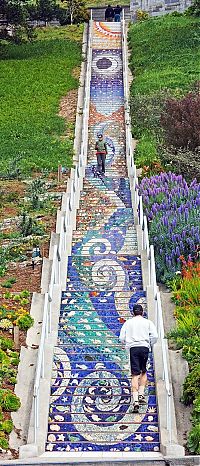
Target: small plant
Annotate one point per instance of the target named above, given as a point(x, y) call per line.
point(191, 385)
point(4, 445)
point(29, 226)
point(25, 322)
point(193, 442)
point(6, 343)
point(14, 170)
point(9, 283)
point(9, 401)
point(142, 15)
point(6, 426)
point(36, 191)
point(5, 324)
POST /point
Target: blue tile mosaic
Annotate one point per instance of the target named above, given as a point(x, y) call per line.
point(90, 394)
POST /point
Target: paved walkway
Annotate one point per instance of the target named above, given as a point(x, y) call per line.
point(90, 393)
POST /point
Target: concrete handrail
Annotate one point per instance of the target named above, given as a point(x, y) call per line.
point(60, 250)
point(142, 220)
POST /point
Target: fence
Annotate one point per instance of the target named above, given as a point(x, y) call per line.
point(60, 251)
point(142, 220)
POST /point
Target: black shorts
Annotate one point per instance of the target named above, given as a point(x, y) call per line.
point(138, 359)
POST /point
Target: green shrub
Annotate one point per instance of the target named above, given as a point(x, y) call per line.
point(191, 385)
point(29, 226)
point(146, 152)
point(196, 411)
point(4, 443)
point(194, 9)
point(6, 343)
point(193, 442)
point(6, 426)
point(25, 322)
point(181, 161)
point(142, 15)
point(9, 283)
point(9, 401)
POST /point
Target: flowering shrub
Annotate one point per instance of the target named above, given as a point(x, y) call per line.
point(186, 291)
point(186, 335)
point(15, 311)
point(142, 15)
point(173, 212)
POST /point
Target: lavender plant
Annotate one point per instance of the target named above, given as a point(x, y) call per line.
point(172, 208)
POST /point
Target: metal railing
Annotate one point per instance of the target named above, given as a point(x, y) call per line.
point(142, 220)
point(60, 250)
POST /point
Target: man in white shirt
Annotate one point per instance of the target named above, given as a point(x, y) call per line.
point(138, 334)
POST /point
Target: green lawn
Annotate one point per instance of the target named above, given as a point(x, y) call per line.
point(165, 53)
point(33, 79)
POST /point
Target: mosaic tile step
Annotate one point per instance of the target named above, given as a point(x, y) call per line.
point(107, 232)
point(67, 447)
point(114, 303)
point(113, 203)
point(110, 434)
point(95, 361)
point(111, 312)
point(89, 326)
point(74, 400)
point(116, 212)
point(90, 380)
point(92, 340)
point(86, 381)
point(107, 286)
point(111, 234)
point(107, 422)
point(108, 183)
point(106, 195)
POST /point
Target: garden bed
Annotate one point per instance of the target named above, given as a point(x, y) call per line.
point(33, 146)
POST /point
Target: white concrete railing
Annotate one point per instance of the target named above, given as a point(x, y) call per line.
point(142, 220)
point(61, 250)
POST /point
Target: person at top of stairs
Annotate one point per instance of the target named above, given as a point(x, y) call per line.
point(138, 334)
point(101, 152)
point(109, 13)
point(117, 12)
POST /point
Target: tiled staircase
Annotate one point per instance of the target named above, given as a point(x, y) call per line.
point(90, 392)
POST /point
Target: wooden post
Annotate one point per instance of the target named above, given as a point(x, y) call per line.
point(59, 173)
point(16, 337)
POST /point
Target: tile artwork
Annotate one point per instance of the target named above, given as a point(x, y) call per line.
point(90, 389)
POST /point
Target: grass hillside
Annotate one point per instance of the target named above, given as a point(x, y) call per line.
point(165, 53)
point(165, 63)
point(34, 76)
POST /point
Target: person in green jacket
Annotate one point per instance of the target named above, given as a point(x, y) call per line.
point(101, 152)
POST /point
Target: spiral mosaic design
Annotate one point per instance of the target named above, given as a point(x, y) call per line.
point(91, 391)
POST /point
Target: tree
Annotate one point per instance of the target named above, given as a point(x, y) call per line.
point(194, 9)
point(15, 15)
point(77, 10)
point(46, 10)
